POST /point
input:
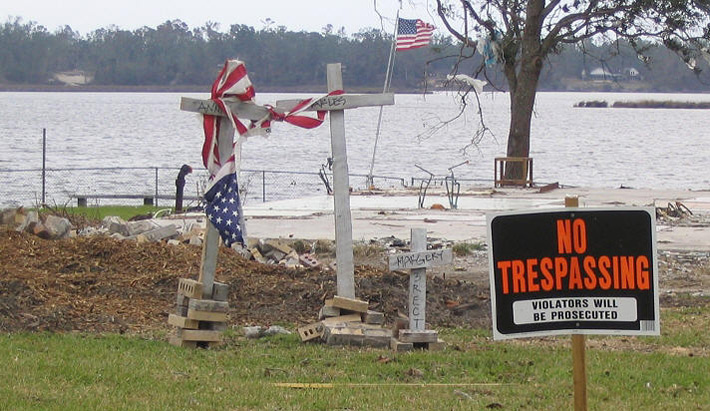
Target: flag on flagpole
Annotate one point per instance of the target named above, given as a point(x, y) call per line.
point(413, 33)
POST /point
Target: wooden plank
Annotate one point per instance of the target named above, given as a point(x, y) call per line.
point(199, 335)
point(400, 346)
point(190, 288)
point(350, 304)
point(183, 322)
point(179, 342)
point(341, 102)
point(209, 305)
point(341, 190)
point(421, 259)
point(418, 336)
point(244, 110)
point(207, 316)
point(417, 285)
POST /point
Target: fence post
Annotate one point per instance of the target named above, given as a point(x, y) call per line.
point(156, 186)
point(263, 186)
point(44, 166)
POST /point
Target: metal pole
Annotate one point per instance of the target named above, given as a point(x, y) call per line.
point(388, 78)
point(156, 186)
point(44, 166)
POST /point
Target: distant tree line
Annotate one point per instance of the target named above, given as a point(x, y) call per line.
point(173, 54)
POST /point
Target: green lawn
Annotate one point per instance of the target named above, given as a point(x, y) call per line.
point(76, 371)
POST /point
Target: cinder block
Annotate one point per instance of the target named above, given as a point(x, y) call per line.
point(373, 317)
point(311, 331)
point(208, 305)
point(190, 288)
point(328, 311)
point(220, 291)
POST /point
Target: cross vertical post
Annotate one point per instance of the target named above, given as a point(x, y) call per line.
point(211, 245)
point(341, 191)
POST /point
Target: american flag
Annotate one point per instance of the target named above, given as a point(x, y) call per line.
point(223, 206)
point(413, 33)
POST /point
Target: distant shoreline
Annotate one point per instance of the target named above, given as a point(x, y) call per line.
point(46, 88)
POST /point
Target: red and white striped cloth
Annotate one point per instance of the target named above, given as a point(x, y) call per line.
point(233, 85)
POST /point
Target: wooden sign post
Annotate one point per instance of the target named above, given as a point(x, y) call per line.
point(336, 104)
point(574, 271)
point(417, 261)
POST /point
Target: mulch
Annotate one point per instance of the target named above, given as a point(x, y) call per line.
point(98, 284)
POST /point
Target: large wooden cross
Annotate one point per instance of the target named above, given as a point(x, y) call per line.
point(336, 105)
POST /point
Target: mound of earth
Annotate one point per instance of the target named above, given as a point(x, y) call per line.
point(98, 284)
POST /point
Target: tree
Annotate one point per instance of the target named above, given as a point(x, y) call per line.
point(522, 34)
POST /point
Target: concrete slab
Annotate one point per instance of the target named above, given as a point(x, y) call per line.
point(395, 213)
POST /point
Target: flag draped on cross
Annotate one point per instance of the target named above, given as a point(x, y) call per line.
point(413, 33)
point(222, 194)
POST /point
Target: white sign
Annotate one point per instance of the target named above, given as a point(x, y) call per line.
point(421, 259)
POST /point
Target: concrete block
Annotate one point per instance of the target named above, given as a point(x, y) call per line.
point(373, 317)
point(348, 304)
point(343, 319)
point(190, 288)
point(208, 305)
point(160, 233)
point(328, 311)
point(311, 331)
point(220, 291)
point(139, 227)
point(359, 335)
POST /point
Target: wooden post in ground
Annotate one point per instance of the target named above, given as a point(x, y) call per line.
point(417, 262)
point(417, 284)
point(579, 365)
point(341, 192)
point(211, 245)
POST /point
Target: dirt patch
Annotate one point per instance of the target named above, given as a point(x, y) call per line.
point(98, 284)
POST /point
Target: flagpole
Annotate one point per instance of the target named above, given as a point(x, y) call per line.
point(388, 78)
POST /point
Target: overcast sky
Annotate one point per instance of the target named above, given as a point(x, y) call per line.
point(86, 16)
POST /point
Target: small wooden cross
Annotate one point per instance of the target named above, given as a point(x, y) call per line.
point(417, 261)
point(336, 105)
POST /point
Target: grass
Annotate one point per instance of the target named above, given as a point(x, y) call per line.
point(98, 213)
point(77, 371)
point(463, 249)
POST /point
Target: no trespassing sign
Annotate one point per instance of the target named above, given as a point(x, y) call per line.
point(573, 271)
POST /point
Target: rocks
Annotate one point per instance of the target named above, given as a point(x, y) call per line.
point(47, 226)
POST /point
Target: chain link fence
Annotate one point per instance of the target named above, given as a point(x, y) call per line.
point(128, 185)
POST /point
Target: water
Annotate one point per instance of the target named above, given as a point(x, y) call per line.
point(651, 148)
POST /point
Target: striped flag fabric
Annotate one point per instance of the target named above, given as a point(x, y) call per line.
point(223, 207)
point(413, 33)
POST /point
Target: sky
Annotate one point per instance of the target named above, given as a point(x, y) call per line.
point(86, 16)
